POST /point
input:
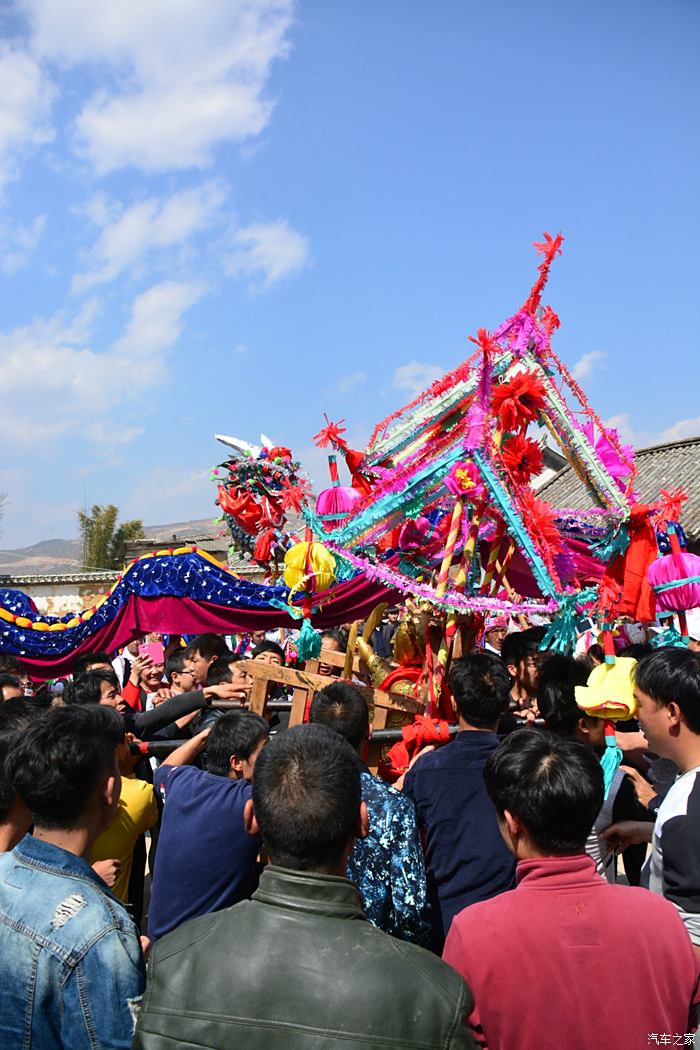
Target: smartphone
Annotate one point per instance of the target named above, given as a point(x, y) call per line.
point(154, 650)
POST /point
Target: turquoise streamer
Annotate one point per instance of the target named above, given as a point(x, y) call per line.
point(289, 609)
point(562, 631)
point(308, 642)
point(615, 541)
point(515, 526)
point(670, 638)
point(610, 762)
point(672, 584)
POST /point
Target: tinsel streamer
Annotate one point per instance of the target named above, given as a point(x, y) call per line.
point(403, 434)
point(615, 541)
point(308, 642)
point(612, 756)
point(668, 638)
point(390, 577)
point(580, 445)
point(516, 527)
point(374, 519)
point(550, 248)
point(477, 414)
point(562, 631)
point(583, 401)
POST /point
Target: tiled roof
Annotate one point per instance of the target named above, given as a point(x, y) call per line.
point(672, 466)
point(59, 578)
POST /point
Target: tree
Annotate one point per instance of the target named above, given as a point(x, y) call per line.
point(103, 539)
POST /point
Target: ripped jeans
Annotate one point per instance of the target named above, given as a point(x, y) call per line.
point(72, 972)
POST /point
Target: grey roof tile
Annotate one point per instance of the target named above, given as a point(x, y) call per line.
point(671, 466)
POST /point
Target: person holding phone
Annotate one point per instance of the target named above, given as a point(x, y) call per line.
point(146, 676)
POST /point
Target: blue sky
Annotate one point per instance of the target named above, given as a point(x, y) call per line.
point(232, 215)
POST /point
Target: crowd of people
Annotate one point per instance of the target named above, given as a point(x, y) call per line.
point(177, 870)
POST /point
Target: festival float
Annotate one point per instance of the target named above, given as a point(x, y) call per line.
point(441, 513)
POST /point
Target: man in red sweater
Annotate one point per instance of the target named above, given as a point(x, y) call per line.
point(566, 959)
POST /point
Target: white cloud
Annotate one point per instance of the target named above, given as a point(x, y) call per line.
point(623, 425)
point(186, 76)
point(267, 252)
point(129, 234)
point(240, 348)
point(19, 244)
point(160, 495)
point(348, 384)
point(54, 382)
point(684, 428)
point(416, 376)
point(586, 364)
point(26, 102)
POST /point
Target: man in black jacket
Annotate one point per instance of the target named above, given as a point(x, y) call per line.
point(299, 965)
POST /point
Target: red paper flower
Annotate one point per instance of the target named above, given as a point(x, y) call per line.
point(293, 497)
point(539, 517)
point(550, 247)
point(279, 452)
point(485, 341)
point(519, 401)
point(669, 508)
point(609, 595)
point(522, 458)
point(330, 435)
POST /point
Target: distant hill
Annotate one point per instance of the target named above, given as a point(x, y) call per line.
point(49, 556)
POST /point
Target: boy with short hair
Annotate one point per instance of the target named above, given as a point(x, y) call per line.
point(205, 859)
point(466, 858)
point(667, 690)
point(566, 959)
point(71, 967)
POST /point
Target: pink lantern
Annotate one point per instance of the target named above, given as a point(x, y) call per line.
point(336, 504)
point(675, 579)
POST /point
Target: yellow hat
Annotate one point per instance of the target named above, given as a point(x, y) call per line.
point(610, 691)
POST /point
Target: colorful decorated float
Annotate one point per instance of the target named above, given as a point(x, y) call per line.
point(442, 510)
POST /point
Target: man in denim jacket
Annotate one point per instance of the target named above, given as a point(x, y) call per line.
point(71, 967)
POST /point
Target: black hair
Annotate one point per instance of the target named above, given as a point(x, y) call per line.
point(87, 689)
point(175, 664)
point(43, 697)
point(220, 670)
point(208, 646)
point(596, 653)
point(336, 636)
point(343, 708)
point(16, 715)
point(9, 664)
point(10, 680)
point(671, 675)
point(553, 785)
point(637, 650)
point(61, 759)
point(518, 645)
point(480, 686)
point(268, 647)
point(556, 693)
point(83, 661)
point(235, 733)
point(306, 794)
